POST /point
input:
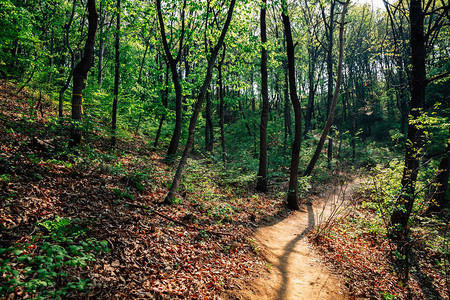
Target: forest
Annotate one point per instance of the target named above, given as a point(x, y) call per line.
point(156, 149)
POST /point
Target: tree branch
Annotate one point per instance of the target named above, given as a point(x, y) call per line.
point(429, 80)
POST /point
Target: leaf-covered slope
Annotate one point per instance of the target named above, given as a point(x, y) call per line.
point(95, 196)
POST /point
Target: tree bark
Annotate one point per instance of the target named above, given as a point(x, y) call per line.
point(209, 128)
point(72, 62)
point(311, 85)
point(80, 74)
point(101, 46)
point(198, 105)
point(222, 108)
point(261, 184)
point(173, 146)
point(293, 176)
point(400, 216)
point(440, 200)
point(329, 122)
point(116, 76)
point(164, 97)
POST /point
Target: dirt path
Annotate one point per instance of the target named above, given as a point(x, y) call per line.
point(294, 269)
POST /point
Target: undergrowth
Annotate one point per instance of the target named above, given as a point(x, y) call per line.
point(357, 242)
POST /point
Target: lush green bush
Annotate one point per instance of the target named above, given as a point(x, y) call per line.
point(40, 268)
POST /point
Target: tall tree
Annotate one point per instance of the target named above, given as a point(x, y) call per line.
point(329, 32)
point(173, 62)
point(80, 74)
point(198, 105)
point(72, 60)
point(419, 40)
point(333, 103)
point(293, 174)
point(116, 75)
point(222, 106)
point(261, 184)
point(400, 216)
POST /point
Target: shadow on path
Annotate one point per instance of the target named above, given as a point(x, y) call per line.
point(283, 265)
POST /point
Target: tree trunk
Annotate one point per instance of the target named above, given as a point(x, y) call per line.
point(116, 76)
point(222, 108)
point(80, 74)
point(173, 146)
point(311, 77)
point(440, 200)
point(400, 216)
point(329, 122)
point(261, 184)
point(164, 97)
point(72, 62)
point(330, 74)
point(101, 46)
point(293, 182)
point(209, 129)
point(198, 105)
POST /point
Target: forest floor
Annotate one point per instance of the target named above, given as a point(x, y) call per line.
point(86, 223)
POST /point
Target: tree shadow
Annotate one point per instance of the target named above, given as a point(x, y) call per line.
point(428, 288)
point(283, 264)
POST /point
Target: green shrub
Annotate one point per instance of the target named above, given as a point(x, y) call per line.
point(39, 268)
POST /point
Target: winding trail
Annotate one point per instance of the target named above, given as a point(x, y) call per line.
point(294, 268)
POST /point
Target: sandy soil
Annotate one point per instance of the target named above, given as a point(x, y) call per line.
point(294, 270)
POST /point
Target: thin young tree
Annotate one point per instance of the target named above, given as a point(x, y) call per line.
point(293, 175)
point(441, 199)
point(198, 105)
point(116, 76)
point(222, 106)
point(330, 118)
point(173, 62)
point(72, 60)
point(261, 184)
point(80, 74)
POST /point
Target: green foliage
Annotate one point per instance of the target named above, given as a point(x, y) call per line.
point(384, 187)
point(6, 177)
point(125, 194)
point(41, 267)
point(304, 186)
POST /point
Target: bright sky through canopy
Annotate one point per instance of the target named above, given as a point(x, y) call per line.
point(376, 3)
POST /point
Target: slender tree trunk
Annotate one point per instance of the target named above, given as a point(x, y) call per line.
point(164, 97)
point(209, 135)
point(173, 146)
point(329, 122)
point(101, 46)
point(293, 182)
point(441, 197)
point(50, 73)
point(28, 81)
point(245, 118)
point(141, 67)
point(222, 108)
point(310, 107)
point(72, 61)
point(261, 184)
point(287, 106)
point(198, 105)
point(116, 76)
point(80, 74)
point(330, 74)
point(400, 216)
